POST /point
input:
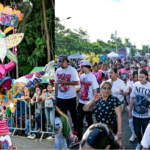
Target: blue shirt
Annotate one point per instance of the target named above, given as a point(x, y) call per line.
point(19, 95)
point(103, 58)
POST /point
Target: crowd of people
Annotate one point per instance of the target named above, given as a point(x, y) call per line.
point(42, 99)
point(96, 94)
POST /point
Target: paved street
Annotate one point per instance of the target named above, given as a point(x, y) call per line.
point(126, 132)
point(23, 143)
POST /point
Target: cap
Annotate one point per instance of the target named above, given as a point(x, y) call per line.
point(63, 58)
point(142, 62)
point(85, 63)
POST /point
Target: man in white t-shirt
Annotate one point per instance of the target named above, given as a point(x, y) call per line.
point(139, 107)
point(146, 139)
point(66, 78)
point(89, 87)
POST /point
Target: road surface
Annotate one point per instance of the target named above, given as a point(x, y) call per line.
point(126, 133)
point(23, 143)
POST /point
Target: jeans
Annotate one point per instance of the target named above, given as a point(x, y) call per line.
point(28, 127)
point(38, 120)
point(138, 123)
point(80, 117)
point(9, 125)
point(50, 116)
point(68, 104)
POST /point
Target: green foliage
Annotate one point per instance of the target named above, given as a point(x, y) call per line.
point(32, 50)
point(68, 41)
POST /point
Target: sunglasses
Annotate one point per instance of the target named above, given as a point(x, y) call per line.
point(106, 88)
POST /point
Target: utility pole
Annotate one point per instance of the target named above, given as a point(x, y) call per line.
point(116, 39)
point(148, 46)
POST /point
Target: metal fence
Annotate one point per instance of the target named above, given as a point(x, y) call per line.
point(42, 132)
point(14, 119)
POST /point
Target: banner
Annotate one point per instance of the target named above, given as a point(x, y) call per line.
point(128, 51)
point(122, 54)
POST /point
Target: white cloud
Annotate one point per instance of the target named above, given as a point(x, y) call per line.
point(102, 17)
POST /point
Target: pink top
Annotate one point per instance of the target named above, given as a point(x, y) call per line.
point(118, 73)
point(125, 74)
point(98, 76)
point(147, 67)
point(3, 128)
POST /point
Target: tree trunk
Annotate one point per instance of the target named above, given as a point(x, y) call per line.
point(47, 33)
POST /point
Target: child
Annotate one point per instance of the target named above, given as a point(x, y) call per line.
point(62, 130)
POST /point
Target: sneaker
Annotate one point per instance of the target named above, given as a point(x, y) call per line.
point(29, 136)
point(138, 147)
point(132, 138)
point(50, 138)
point(33, 136)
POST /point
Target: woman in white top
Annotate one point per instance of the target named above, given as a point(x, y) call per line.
point(49, 98)
point(118, 86)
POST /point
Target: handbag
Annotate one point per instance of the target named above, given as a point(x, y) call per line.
point(48, 103)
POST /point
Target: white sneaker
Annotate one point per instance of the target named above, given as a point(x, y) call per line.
point(138, 147)
point(33, 136)
point(132, 138)
point(29, 136)
point(50, 138)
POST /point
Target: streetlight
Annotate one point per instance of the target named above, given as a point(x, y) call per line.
point(66, 19)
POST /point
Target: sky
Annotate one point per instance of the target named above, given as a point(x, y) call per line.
point(131, 18)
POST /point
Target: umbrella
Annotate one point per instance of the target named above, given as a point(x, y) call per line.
point(113, 54)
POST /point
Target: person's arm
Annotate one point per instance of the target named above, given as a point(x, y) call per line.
point(68, 82)
point(53, 98)
point(78, 89)
point(118, 111)
point(123, 91)
point(38, 97)
point(131, 107)
point(94, 91)
point(74, 79)
point(56, 89)
point(146, 139)
point(43, 97)
point(90, 105)
point(72, 137)
point(22, 98)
